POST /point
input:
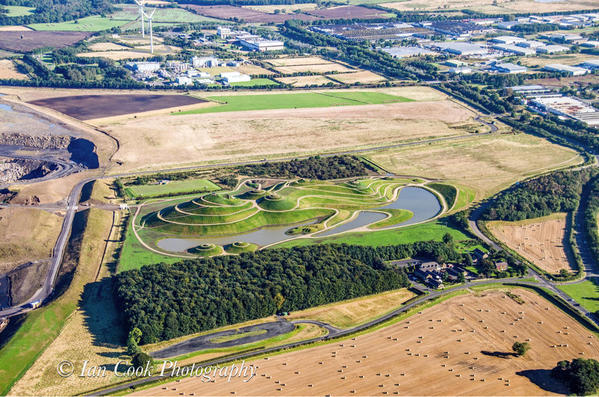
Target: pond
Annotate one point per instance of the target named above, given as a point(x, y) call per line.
point(421, 202)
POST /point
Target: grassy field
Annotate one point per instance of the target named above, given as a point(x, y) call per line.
point(586, 293)
point(94, 23)
point(293, 101)
point(353, 312)
point(129, 12)
point(172, 187)
point(484, 164)
point(42, 326)
point(255, 82)
point(17, 11)
point(409, 234)
point(134, 255)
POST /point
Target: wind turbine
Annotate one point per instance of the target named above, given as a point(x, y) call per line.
point(151, 33)
point(140, 4)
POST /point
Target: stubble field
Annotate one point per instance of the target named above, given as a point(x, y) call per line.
point(539, 240)
point(493, 6)
point(284, 132)
point(486, 164)
point(8, 70)
point(460, 346)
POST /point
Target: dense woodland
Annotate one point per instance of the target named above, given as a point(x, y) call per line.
point(591, 210)
point(581, 376)
point(167, 301)
point(316, 167)
point(555, 192)
point(55, 10)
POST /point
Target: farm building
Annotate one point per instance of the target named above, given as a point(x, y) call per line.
point(530, 90)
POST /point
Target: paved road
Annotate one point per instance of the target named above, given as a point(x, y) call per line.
point(340, 333)
point(204, 342)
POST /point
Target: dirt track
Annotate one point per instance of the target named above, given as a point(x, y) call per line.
point(461, 346)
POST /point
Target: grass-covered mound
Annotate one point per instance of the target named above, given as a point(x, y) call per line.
point(239, 247)
point(220, 199)
point(275, 202)
point(253, 194)
point(395, 216)
point(449, 192)
point(206, 250)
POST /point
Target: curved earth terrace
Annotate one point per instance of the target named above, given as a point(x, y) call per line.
point(254, 216)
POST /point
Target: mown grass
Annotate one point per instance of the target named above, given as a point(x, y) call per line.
point(255, 82)
point(172, 187)
point(397, 216)
point(17, 11)
point(134, 255)
point(234, 103)
point(94, 23)
point(43, 325)
point(409, 234)
point(586, 293)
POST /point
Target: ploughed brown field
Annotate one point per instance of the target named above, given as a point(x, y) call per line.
point(348, 12)
point(458, 347)
point(26, 41)
point(86, 107)
point(246, 14)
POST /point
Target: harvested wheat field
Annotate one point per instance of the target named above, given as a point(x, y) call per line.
point(460, 346)
point(296, 61)
point(539, 240)
point(241, 135)
point(494, 6)
point(8, 70)
point(315, 68)
point(304, 81)
point(107, 46)
point(363, 76)
point(14, 28)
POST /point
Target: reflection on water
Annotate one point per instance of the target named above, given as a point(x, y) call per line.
point(421, 202)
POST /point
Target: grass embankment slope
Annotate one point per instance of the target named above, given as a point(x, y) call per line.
point(42, 326)
point(410, 234)
point(586, 293)
point(232, 103)
point(172, 187)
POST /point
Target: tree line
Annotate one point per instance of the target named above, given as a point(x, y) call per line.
point(316, 167)
point(541, 196)
point(167, 301)
point(580, 375)
point(47, 11)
